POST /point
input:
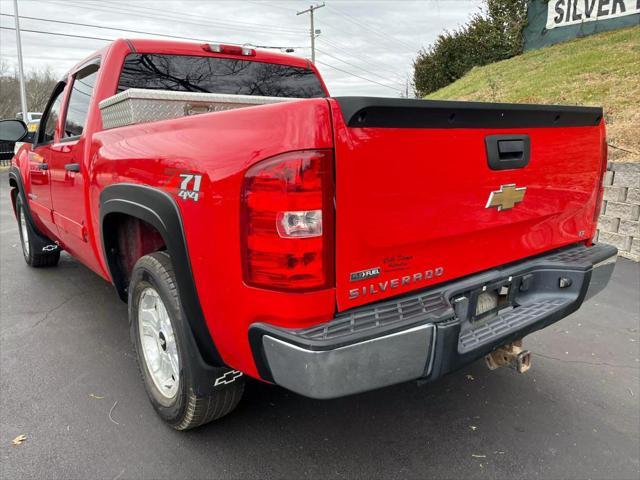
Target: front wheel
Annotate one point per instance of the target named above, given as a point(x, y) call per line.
point(50, 254)
point(159, 334)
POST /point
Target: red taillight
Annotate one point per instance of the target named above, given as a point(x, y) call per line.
point(229, 49)
point(287, 222)
point(604, 152)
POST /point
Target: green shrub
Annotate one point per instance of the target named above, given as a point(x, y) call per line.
point(493, 34)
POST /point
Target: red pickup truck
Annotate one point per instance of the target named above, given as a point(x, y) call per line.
point(331, 245)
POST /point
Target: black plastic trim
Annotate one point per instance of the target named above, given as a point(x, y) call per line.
point(159, 210)
point(14, 173)
point(410, 113)
point(301, 340)
point(449, 359)
point(39, 241)
point(575, 258)
point(517, 152)
point(57, 90)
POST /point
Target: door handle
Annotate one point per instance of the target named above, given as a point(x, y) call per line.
point(506, 152)
point(43, 166)
point(72, 167)
point(510, 149)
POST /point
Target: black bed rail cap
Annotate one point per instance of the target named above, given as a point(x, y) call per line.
point(411, 113)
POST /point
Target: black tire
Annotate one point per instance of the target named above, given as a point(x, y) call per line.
point(28, 241)
point(186, 409)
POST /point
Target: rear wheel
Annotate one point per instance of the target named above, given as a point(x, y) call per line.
point(159, 334)
point(27, 236)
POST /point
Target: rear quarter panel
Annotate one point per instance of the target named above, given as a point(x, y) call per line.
point(220, 147)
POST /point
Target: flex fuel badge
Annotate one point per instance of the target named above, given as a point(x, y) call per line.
point(364, 274)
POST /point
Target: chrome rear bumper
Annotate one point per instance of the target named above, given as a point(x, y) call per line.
point(393, 358)
point(423, 335)
point(600, 275)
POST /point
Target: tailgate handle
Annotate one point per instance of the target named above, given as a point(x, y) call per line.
point(506, 152)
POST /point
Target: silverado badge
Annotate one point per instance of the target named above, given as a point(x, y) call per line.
point(507, 197)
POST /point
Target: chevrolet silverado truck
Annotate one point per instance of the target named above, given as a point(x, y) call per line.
point(258, 227)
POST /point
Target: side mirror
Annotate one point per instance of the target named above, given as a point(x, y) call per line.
point(12, 130)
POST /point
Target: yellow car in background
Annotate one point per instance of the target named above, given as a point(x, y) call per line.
point(32, 121)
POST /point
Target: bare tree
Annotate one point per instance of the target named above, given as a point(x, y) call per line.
point(39, 86)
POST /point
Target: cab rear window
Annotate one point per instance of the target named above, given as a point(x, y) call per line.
point(186, 73)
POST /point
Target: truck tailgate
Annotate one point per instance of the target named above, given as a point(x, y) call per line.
point(414, 201)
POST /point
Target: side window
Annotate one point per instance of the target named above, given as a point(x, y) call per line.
point(83, 84)
point(51, 115)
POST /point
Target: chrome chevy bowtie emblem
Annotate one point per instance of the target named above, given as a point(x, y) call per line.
point(507, 197)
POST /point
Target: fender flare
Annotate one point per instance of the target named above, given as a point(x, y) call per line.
point(159, 209)
point(14, 174)
point(40, 241)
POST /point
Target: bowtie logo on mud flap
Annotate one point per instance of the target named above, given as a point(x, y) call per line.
point(227, 378)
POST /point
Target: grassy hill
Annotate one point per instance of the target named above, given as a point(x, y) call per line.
point(601, 70)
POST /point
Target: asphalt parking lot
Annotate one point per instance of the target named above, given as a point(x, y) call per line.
point(66, 360)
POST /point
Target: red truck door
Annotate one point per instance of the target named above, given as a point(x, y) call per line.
point(39, 190)
point(66, 167)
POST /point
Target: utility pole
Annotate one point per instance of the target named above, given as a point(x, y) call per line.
point(23, 90)
point(310, 11)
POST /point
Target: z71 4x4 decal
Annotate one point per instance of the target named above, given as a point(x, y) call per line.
point(190, 186)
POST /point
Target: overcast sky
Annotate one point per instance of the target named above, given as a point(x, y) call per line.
point(374, 40)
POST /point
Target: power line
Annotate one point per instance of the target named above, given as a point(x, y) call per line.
point(357, 76)
point(143, 32)
point(60, 34)
point(377, 66)
point(376, 32)
point(360, 56)
point(135, 31)
point(356, 66)
point(198, 17)
point(271, 5)
point(183, 18)
point(110, 39)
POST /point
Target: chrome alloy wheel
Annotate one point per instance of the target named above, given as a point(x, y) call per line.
point(24, 233)
point(158, 342)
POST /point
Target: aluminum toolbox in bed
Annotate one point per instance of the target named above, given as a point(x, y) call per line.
point(137, 105)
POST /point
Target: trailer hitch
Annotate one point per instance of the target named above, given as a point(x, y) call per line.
point(511, 355)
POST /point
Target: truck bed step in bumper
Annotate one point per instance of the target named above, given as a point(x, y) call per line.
point(432, 332)
point(512, 321)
